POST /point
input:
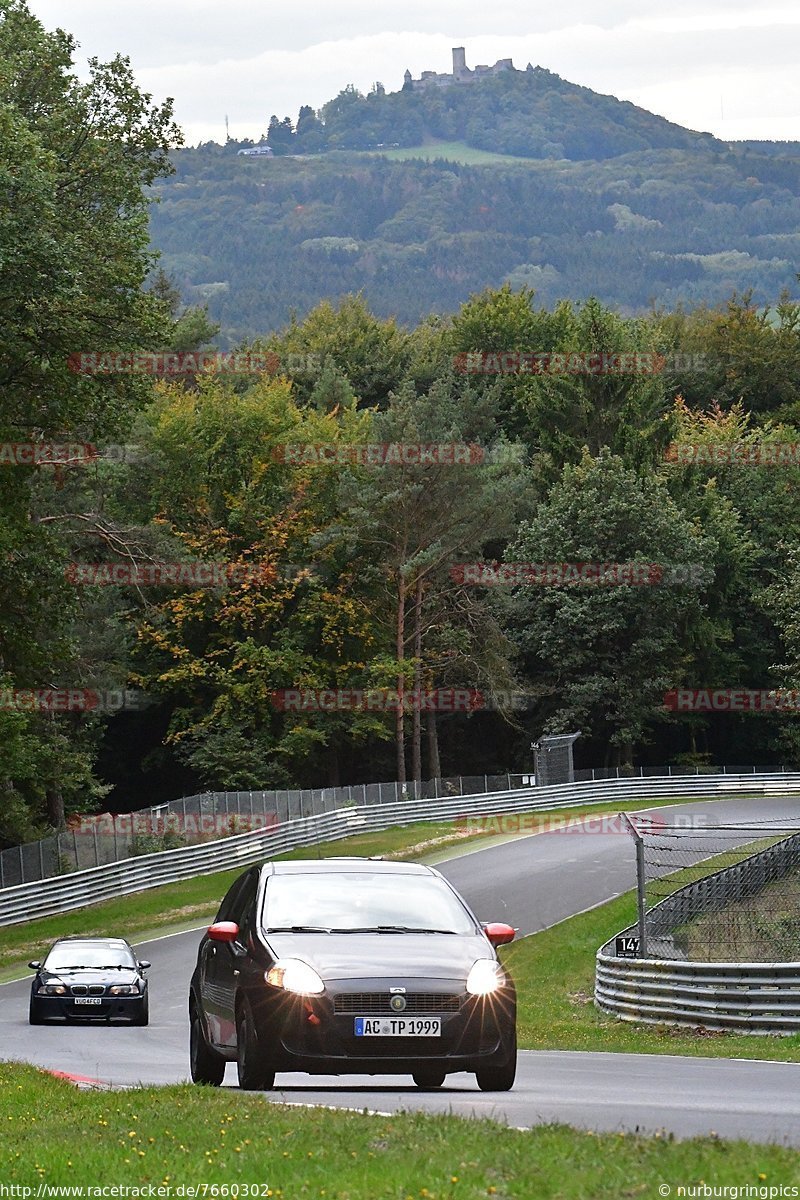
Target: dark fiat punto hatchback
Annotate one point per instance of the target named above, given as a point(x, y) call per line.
point(344, 966)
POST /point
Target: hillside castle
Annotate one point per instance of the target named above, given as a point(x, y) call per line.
point(460, 74)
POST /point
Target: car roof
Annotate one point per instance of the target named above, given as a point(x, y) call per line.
point(332, 866)
point(73, 939)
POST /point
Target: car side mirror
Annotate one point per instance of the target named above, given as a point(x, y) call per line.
point(223, 931)
point(144, 964)
point(498, 933)
point(34, 966)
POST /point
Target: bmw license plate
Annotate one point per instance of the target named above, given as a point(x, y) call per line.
point(398, 1027)
point(88, 999)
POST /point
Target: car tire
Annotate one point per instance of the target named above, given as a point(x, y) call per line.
point(205, 1065)
point(144, 1016)
point(35, 1014)
point(429, 1077)
point(255, 1074)
point(498, 1074)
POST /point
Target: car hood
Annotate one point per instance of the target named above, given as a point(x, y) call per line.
point(88, 975)
point(385, 956)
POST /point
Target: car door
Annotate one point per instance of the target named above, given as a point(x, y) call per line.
point(225, 961)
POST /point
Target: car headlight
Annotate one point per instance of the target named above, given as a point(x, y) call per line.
point(293, 975)
point(52, 989)
point(485, 976)
point(123, 989)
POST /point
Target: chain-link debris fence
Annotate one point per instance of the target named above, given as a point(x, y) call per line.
point(717, 892)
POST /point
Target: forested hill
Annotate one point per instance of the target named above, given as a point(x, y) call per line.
point(532, 113)
point(257, 239)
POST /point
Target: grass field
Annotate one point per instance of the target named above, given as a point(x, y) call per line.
point(228, 1141)
point(458, 152)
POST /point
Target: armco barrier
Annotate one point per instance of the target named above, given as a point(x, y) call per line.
point(746, 997)
point(63, 893)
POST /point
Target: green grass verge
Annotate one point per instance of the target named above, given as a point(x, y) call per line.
point(181, 1136)
point(178, 906)
point(554, 974)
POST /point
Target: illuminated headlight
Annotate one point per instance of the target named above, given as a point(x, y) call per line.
point(293, 975)
point(123, 989)
point(52, 989)
point(485, 976)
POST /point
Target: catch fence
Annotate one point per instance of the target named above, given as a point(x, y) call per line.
point(718, 893)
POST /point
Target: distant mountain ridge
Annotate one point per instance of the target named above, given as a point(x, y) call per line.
point(602, 198)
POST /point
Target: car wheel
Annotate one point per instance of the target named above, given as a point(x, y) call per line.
point(205, 1066)
point(144, 1015)
point(429, 1077)
point(253, 1072)
point(498, 1074)
point(35, 1014)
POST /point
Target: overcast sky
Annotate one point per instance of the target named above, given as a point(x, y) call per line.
point(725, 66)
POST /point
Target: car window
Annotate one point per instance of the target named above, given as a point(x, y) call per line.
point(88, 954)
point(246, 908)
point(228, 904)
point(349, 900)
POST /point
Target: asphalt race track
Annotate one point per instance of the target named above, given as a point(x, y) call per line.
point(532, 882)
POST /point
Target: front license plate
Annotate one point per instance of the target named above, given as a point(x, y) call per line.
point(398, 1027)
point(88, 999)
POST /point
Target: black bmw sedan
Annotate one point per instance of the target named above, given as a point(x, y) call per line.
point(340, 966)
point(90, 978)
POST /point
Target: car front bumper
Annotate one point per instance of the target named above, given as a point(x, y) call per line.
point(312, 1034)
point(110, 1007)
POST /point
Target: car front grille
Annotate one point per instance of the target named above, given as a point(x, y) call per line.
point(94, 989)
point(367, 1004)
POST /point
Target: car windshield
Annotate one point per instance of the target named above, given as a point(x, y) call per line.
point(355, 901)
point(88, 954)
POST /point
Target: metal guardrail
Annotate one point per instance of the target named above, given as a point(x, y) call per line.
point(25, 902)
point(745, 997)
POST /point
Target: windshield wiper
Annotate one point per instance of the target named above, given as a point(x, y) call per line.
point(297, 929)
point(392, 929)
